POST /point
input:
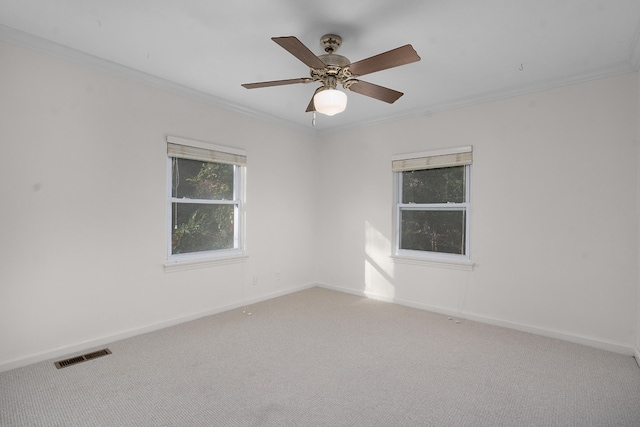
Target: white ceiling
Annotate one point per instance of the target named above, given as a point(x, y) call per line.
point(471, 50)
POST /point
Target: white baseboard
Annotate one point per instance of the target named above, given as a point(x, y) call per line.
point(590, 342)
point(574, 338)
point(88, 345)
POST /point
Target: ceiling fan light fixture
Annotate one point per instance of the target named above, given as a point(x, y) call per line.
point(330, 101)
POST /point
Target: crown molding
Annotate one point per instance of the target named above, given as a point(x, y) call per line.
point(491, 96)
point(32, 42)
point(48, 47)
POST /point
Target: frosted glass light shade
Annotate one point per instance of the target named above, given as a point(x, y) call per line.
point(330, 101)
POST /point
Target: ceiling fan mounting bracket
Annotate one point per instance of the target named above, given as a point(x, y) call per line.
point(330, 43)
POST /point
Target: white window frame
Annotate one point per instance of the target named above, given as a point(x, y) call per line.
point(461, 156)
point(229, 155)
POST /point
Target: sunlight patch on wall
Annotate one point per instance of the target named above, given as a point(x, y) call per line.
point(378, 268)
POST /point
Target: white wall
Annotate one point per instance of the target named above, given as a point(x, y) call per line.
point(553, 226)
point(83, 184)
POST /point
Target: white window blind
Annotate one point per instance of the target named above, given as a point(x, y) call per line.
point(433, 159)
point(192, 150)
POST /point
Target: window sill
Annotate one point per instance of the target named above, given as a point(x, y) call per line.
point(171, 266)
point(455, 264)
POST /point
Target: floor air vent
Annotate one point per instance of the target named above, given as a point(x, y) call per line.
point(79, 359)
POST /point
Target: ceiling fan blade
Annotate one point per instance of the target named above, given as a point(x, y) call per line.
point(312, 107)
point(393, 58)
point(300, 51)
point(374, 91)
point(277, 83)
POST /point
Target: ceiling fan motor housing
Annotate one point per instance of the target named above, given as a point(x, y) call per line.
point(334, 59)
point(335, 64)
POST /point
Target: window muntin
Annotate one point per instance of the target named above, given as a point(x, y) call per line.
point(205, 203)
point(432, 203)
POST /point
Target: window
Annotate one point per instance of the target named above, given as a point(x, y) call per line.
point(205, 200)
point(432, 204)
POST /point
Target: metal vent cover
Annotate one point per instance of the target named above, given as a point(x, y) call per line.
point(79, 359)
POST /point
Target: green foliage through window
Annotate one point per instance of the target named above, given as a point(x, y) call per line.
point(203, 209)
point(432, 211)
point(441, 185)
point(433, 231)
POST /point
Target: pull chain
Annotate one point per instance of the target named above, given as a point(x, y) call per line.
point(313, 120)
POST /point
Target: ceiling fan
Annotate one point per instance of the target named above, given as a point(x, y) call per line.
point(332, 69)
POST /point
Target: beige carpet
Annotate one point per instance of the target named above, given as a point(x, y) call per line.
point(324, 358)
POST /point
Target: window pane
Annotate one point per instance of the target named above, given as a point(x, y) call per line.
point(198, 227)
point(193, 179)
point(439, 185)
point(434, 231)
